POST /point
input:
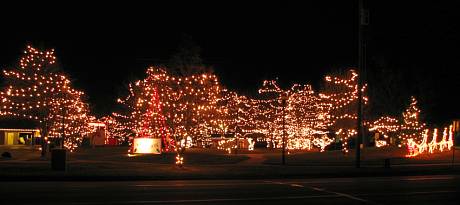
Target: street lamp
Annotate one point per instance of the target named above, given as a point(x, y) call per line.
point(363, 18)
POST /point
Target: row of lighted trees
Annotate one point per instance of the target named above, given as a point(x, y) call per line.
point(192, 107)
point(37, 90)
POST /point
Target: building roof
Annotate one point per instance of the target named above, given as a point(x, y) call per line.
point(6, 123)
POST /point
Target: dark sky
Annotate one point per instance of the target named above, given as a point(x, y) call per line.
point(104, 45)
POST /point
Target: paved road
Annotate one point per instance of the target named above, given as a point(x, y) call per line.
point(442, 189)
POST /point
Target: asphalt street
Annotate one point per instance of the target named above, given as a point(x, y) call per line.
point(438, 189)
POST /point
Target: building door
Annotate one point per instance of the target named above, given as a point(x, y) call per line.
point(9, 138)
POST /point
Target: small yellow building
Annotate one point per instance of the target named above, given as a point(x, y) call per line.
point(18, 136)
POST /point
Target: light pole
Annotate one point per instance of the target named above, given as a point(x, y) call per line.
point(63, 127)
point(363, 19)
point(236, 131)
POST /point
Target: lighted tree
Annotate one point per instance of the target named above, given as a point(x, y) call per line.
point(270, 113)
point(151, 122)
point(142, 114)
point(339, 99)
point(188, 104)
point(411, 128)
point(305, 119)
point(37, 90)
point(244, 114)
point(229, 112)
point(302, 110)
point(303, 116)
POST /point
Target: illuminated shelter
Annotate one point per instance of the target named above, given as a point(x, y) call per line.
point(18, 136)
point(18, 132)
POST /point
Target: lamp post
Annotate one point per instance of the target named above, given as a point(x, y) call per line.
point(236, 131)
point(363, 20)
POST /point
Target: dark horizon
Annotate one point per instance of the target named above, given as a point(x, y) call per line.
point(102, 50)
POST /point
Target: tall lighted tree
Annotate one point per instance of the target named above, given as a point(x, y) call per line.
point(142, 114)
point(271, 111)
point(188, 104)
point(151, 123)
point(36, 90)
point(247, 115)
point(229, 111)
point(339, 101)
point(411, 127)
point(302, 110)
point(305, 117)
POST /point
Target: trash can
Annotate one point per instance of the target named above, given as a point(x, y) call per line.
point(58, 159)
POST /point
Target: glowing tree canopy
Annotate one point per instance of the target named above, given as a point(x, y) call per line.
point(339, 100)
point(187, 104)
point(303, 117)
point(149, 120)
point(230, 111)
point(269, 113)
point(36, 90)
point(411, 128)
point(303, 111)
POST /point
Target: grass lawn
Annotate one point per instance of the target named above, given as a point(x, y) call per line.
point(369, 156)
point(113, 162)
point(191, 156)
point(196, 156)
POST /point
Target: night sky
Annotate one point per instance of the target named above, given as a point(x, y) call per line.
point(103, 46)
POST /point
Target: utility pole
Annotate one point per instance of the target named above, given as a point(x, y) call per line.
point(63, 127)
point(283, 101)
point(236, 130)
point(362, 20)
point(454, 128)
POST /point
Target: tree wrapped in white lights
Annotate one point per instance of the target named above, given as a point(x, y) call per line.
point(36, 90)
point(270, 112)
point(302, 117)
point(143, 116)
point(339, 100)
point(230, 111)
point(188, 104)
point(411, 128)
